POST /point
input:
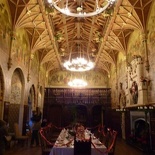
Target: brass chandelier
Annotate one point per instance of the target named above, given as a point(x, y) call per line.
point(78, 8)
point(78, 83)
point(80, 63)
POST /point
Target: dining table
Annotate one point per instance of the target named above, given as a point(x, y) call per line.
point(64, 144)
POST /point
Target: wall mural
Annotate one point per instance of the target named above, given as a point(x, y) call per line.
point(20, 47)
point(5, 26)
point(16, 88)
point(113, 86)
point(34, 63)
point(121, 64)
point(135, 46)
point(19, 38)
point(151, 28)
point(93, 78)
point(42, 75)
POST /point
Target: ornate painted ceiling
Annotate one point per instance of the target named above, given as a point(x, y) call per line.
point(55, 36)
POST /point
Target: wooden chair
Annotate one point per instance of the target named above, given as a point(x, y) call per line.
point(44, 145)
point(55, 131)
point(82, 147)
point(111, 142)
point(102, 134)
point(19, 137)
point(106, 137)
point(51, 133)
point(46, 139)
point(96, 130)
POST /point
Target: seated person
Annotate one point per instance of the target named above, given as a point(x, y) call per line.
point(80, 132)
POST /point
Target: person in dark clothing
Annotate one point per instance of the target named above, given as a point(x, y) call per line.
point(36, 116)
point(44, 123)
point(35, 126)
point(3, 133)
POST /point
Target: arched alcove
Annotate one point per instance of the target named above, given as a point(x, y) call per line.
point(16, 107)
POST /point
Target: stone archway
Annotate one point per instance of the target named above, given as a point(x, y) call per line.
point(16, 107)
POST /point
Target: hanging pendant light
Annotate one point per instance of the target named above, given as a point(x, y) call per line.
point(80, 63)
point(78, 83)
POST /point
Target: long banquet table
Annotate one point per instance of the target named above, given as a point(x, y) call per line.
point(64, 145)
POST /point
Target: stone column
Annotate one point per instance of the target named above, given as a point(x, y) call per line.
point(123, 125)
point(144, 40)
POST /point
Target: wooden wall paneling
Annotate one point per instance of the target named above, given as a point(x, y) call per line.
point(81, 114)
point(152, 124)
point(55, 115)
point(127, 124)
point(96, 115)
point(65, 97)
point(117, 121)
point(112, 119)
point(6, 111)
point(25, 118)
point(46, 112)
point(107, 118)
point(69, 114)
point(13, 116)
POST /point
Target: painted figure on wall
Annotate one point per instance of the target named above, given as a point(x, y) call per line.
point(122, 98)
point(134, 92)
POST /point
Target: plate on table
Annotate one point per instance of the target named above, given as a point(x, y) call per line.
point(57, 142)
point(60, 144)
point(98, 143)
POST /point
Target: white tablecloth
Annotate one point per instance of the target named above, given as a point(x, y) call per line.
point(62, 149)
